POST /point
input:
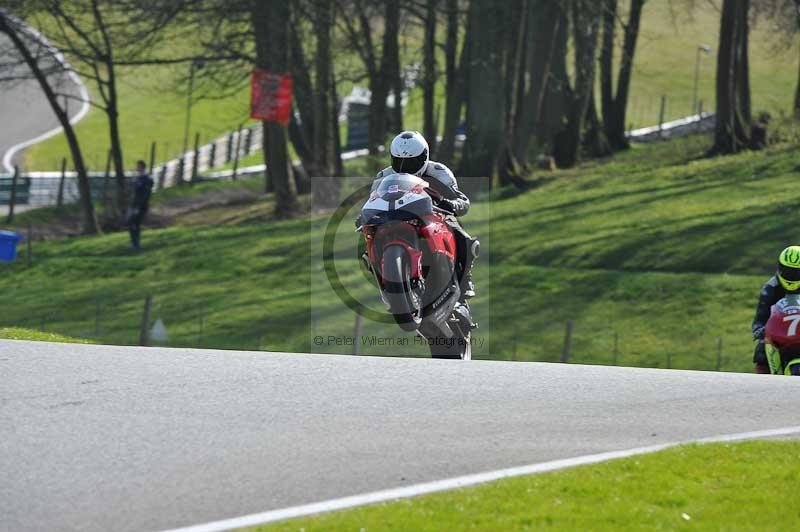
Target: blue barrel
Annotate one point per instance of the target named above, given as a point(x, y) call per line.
point(8, 245)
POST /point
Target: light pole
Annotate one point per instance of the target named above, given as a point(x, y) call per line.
point(197, 64)
point(706, 49)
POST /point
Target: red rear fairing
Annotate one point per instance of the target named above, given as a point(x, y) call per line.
point(783, 329)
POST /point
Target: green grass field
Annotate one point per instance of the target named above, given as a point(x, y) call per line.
point(743, 486)
point(153, 104)
point(655, 251)
point(17, 333)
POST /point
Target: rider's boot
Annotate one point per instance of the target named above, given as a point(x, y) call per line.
point(469, 286)
point(761, 369)
point(468, 251)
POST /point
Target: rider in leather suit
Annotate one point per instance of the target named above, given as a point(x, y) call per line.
point(409, 152)
point(785, 281)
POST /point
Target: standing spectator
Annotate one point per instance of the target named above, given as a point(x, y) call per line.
point(140, 203)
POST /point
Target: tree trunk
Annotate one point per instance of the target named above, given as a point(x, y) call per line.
point(486, 88)
point(325, 187)
point(429, 77)
point(607, 60)
point(323, 141)
point(116, 151)
point(109, 96)
point(585, 23)
point(390, 61)
point(544, 19)
point(338, 166)
point(732, 87)
point(302, 134)
point(90, 225)
point(509, 168)
point(797, 96)
point(269, 19)
point(594, 137)
point(614, 123)
point(454, 74)
point(555, 100)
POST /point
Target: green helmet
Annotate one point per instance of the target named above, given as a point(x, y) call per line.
point(789, 268)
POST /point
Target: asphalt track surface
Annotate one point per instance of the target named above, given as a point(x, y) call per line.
point(124, 438)
point(24, 110)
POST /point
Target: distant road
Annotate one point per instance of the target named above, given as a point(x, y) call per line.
point(26, 115)
point(124, 438)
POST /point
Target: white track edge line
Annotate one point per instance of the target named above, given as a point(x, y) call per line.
point(81, 112)
point(462, 482)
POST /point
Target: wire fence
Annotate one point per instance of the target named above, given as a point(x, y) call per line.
point(177, 313)
point(57, 188)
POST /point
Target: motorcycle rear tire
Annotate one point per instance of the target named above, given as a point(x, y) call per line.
point(398, 291)
point(458, 348)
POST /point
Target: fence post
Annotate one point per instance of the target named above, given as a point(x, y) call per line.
point(144, 332)
point(514, 340)
point(162, 176)
point(616, 348)
point(212, 156)
point(106, 179)
point(248, 139)
point(567, 342)
point(152, 157)
point(202, 323)
point(229, 149)
point(236, 152)
point(661, 114)
point(196, 157)
point(357, 335)
point(179, 174)
point(13, 199)
point(60, 200)
point(96, 316)
point(719, 354)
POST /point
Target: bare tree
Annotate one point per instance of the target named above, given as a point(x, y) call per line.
point(585, 26)
point(454, 80)
point(783, 16)
point(429, 74)
point(733, 79)
point(269, 19)
point(614, 105)
point(99, 36)
point(546, 26)
point(34, 59)
point(381, 66)
point(486, 87)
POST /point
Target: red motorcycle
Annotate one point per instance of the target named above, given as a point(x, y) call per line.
point(411, 252)
point(783, 337)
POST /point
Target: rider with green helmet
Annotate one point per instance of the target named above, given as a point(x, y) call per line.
point(785, 281)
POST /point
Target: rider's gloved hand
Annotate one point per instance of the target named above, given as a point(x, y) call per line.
point(446, 204)
point(758, 334)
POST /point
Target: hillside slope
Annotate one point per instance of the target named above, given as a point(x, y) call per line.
point(654, 251)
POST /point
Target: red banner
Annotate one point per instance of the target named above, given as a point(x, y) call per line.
point(271, 96)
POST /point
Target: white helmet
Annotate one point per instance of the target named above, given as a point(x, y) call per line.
point(409, 153)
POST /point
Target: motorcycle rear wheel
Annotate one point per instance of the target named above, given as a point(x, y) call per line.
point(454, 348)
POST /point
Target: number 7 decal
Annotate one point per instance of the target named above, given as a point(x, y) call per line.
point(795, 319)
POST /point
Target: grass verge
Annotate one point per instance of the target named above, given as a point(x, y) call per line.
point(743, 486)
point(17, 333)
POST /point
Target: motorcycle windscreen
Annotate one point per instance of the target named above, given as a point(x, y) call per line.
point(398, 197)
